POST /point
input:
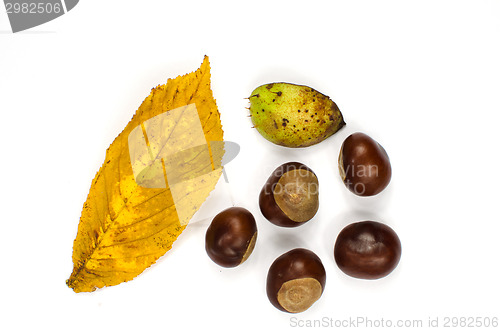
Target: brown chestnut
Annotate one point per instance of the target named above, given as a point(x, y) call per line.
point(295, 280)
point(368, 250)
point(230, 238)
point(290, 197)
point(364, 165)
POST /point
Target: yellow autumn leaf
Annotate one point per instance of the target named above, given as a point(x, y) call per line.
point(155, 176)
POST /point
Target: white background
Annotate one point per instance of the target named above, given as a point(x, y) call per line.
point(421, 77)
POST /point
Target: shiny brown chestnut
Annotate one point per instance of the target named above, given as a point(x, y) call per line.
point(295, 280)
point(364, 165)
point(367, 250)
point(290, 197)
point(231, 237)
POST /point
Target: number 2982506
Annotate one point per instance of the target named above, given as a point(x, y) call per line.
point(33, 8)
point(470, 322)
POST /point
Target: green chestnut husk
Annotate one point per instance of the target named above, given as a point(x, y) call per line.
point(294, 115)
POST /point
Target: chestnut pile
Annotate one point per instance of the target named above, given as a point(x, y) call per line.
point(290, 198)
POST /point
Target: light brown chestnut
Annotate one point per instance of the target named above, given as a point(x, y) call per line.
point(364, 165)
point(295, 280)
point(367, 250)
point(231, 237)
point(290, 197)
